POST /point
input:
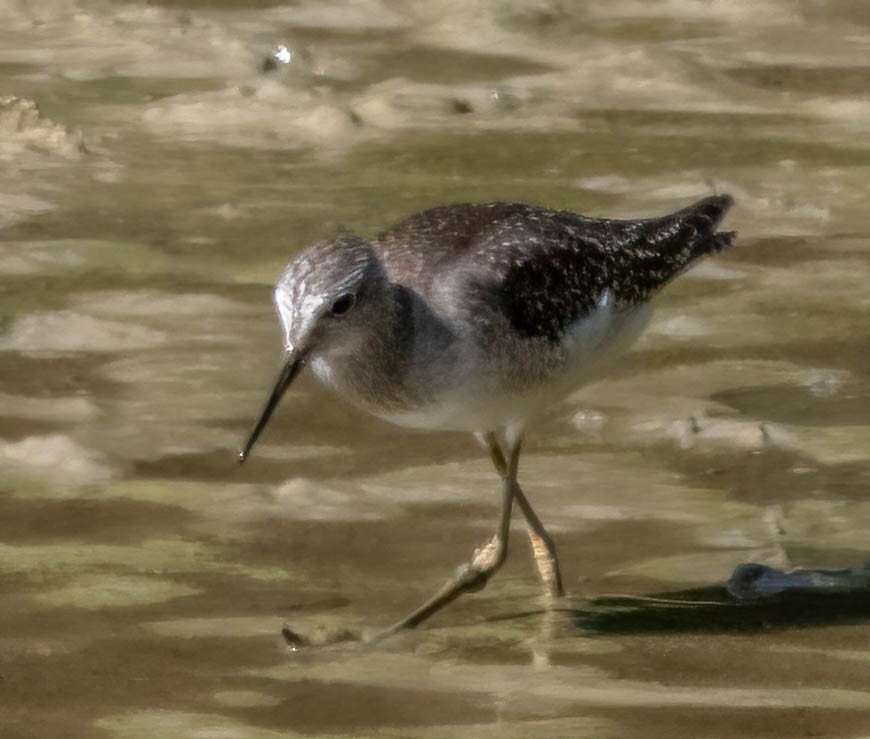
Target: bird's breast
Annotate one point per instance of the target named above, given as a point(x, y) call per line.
point(481, 382)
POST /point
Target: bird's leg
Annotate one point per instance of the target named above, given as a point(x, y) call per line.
point(543, 546)
point(471, 577)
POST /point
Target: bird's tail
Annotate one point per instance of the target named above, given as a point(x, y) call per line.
point(661, 248)
point(704, 217)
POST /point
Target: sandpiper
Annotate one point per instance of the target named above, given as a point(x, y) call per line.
point(476, 317)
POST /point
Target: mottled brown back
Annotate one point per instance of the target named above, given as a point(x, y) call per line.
point(545, 269)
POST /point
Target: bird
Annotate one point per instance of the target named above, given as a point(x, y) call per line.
point(477, 317)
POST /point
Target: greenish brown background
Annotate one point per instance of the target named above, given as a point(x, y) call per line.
point(147, 206)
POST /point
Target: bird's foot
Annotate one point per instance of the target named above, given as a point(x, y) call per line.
point(470, 578)
point(322, 636)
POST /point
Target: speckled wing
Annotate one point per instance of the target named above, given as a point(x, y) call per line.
point(544, 269)
point(547, 269)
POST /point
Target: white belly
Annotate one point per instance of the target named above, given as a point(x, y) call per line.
point(475, 403)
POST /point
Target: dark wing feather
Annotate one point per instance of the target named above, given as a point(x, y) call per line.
point(649, 253)
point(553, 269)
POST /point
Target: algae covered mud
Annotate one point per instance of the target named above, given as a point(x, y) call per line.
point(161, 162)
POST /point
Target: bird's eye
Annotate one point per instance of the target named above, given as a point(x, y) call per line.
point(343, 304)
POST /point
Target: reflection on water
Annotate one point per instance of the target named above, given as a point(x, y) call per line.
point(155, 180)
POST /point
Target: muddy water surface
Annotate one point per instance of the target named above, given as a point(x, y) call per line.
point(156, 175)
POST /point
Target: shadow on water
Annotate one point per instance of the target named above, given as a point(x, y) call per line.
point(756, 599)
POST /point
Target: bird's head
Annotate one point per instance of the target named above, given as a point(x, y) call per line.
point(325, 299)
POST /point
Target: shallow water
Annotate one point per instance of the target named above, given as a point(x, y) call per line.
point(147, 206)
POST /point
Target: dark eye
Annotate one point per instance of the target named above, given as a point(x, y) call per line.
point(343, 304)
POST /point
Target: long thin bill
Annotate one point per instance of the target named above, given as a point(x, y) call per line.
point(289, 370)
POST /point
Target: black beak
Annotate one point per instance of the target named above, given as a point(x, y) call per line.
point(293, 363)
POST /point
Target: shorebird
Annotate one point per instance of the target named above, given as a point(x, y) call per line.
point(476, 317)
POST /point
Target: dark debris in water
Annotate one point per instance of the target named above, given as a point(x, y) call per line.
point(751, 581)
